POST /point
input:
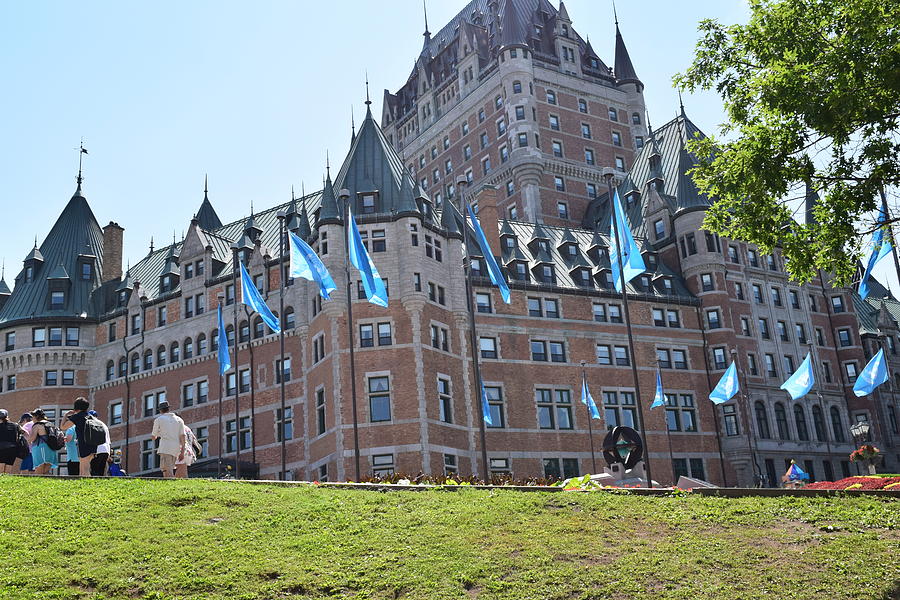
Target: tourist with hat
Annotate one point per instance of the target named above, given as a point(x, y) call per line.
point(168, 428)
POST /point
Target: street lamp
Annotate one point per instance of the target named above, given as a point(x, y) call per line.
point(860, 432)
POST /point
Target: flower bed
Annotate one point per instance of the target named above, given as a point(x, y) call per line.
point(873, 482)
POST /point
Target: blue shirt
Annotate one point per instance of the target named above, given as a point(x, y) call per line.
point(72, 446)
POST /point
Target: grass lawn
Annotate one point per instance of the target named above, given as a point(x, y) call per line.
point(219, 539)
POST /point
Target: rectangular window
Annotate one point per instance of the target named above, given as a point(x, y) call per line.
point(50, 377)
point(586, 133)
point(379, 399)
point(10, 341)
point(706, 282)
point(488, 347)
point(284, 425)
point(621, 354)
point(39, 337)
point(244, 380)
point(115, 413)
point(383, 465)
point(837, 303)
point(187, 395)
point(202, 392)
point(844, 338)
point(719, 358)
point(444, 400)
point(712, 318)
point(495, 404)
point(284, 370)
point(731, 420)
point(483, 302)
point(603, 354)
point(320, 411)
point(850, 367)
point(538, 350)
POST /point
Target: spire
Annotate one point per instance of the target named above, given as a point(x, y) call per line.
point(368, 102)
point(329, 210)
point(427, 33)
point(206, 216)
point(303, 229)
point(681, 106)
point(79, 179)
point(624, 70)
point(352, 126)
point(407, 202)
point(4, 288)
point(151, 244)
point(615, 15)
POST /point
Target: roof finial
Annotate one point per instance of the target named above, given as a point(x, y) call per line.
point(352, 124)
point(151, 244)
point(327, 164)
point(205, 185)
point(680, 103)
point(3, 270)
point(81, 151)
point(425, 10)
point(292, 193)
point(302, 190)
point(35, 240)
point(615, 16)
point(368, 102)
point(251, 208)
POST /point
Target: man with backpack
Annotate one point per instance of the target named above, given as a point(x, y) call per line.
point(101, 458)
point(89, 434)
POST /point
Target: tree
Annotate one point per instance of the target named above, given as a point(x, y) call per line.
point(812, 93)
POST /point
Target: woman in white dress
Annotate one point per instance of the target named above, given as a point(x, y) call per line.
point(191, 448)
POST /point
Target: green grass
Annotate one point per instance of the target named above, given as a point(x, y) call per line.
point(217, 539)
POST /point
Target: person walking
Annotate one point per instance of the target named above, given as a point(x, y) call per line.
point(168, 428)
point(9, 436)
point(26, 467)
point(101, 457)
point(72, 462)
point(43, 457)
point(191, 448)
point(77, 417)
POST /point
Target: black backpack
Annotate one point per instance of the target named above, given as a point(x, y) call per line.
point(56, 440)
point(94, 432)
point(23, 450)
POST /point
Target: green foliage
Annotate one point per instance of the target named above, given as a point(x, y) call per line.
point(812, 93)
point(117, 539)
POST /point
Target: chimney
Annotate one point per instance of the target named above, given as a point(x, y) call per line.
point(112, 252)
point(489, 215)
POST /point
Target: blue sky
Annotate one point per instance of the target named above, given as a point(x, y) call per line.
point(253, 94)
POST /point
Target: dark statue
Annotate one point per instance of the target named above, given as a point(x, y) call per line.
point(623, 445)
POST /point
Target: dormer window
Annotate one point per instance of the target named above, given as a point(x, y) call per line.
point(476, 267)
point(367, 204)
point(510, 242)
point(57, 300)
point(123, 298)
point(595, 64)
point(582, 277)
point(87, 271)
point(29, 274)
point(565, 30)
point(520, 272)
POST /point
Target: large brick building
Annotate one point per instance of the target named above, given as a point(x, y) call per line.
point(511, 100)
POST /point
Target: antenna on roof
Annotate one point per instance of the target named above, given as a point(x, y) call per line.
point(368, 102)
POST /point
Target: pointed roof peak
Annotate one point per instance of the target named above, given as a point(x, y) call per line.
point(368, 101)
point(623, 67)
point(615, 15)
point(563, 13)
point(512, 29)
point(427, 33)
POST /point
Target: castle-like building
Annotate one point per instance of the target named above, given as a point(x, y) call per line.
point(509, 108)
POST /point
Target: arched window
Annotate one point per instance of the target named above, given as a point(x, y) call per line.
point(135, 363)
point(635, 118)
point(110, 370)
point(245, 331)
point(613, 115)
point(188, 348)
point(258, 328)
point(229, 334)
point(781, 422)
point(289, 319)
point(174, 352)
point(762, 420)
point(201, 344)
point(819, 423)
point(837, 424)
point(148, 359)
point(123, 367)
point(161, 356)
point(214, 340)
point(800, 421)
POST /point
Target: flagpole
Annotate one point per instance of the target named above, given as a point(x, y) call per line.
point(589, 418)
point(462, 183)
point(281, 215)
point(887, 217)
point(748, 424)
point(344, 196)
point(220, 297)
point(666, 422)
point(710, 386)
point(608, 175)
point(237, 365)
point(814, 356)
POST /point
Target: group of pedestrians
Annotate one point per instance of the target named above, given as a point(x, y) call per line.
point(34, 441)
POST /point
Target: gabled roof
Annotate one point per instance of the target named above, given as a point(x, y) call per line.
point(75, 232)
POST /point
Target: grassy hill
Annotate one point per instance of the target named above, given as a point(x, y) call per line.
point(219, 539)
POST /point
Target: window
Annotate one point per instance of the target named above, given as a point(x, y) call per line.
point(560, 184)
point(440, 338)
point(591, 190)
point(148, 360)
point(771, 262)
point(464, 129)
point(663, 358)
point(819, 423)
point(776, 296)
point(764, 328)
point(50, 377)
point(800, 331)
point(187, 395)
point(729, 412)
point(320, 411)
point(551, 97)
point(619, 409)
point(367, 201)
point(57, 300)
point(55, 336)
point(72, 336)
point(745, 326)
point(712, 318)
point(850, 368)
point(366, 335)
point(837, 424)
point(706, 282)
point(788, 363)
point(837, 303)
point(149, 457)
point(538, 350)
point(733, 254)
point(613, 115)
point(433, 248)
point(504, 153)
point(284, 424)
point(557, 149)
point(135, 324)
point(483, 302)
point(795, 298)
point(488, 347)
point(751, 362)
point(202, 392)
point(174, 352)
point(115, 413)
point(616, 137)
point(771, 371)
point(481, 115)
point(554, 408)
point(110, 370)
point(523, 139)
point(800, 422)
point(483, 140)
point(680, 416)
point(589, 157)
point(189, 307)
point(244, 381)
point(738, 290)
point(135, 363)
point(232, 434)
point(151, 402)
point(379, 399)
point(467, 152)
point(603, 354)
point(826, 369)
point(383, 465)
point(781, 327)
point(554, 122)
point(615, 313)
point(621, 355)
point(517, 87)
point(283, 370)
point(123, 367)
point(444, 400)
point(38, 337)
point(719, 358)
point(844, 338)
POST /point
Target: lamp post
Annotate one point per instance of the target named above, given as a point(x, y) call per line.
point(281, 215)
point(608, 174)
point(220, 298)
point(344, 199)
point(860, 433)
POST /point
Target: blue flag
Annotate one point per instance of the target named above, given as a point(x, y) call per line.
point(251, 297)
point(224, 354)
point(799, 384)
point(874, 374)
point(881, 247)
point(307, 265)
point(360, 259)
point(485, 407)
point(632, 262)
point(587, 399)
point(795, 473)
point(492, 266)
point(727, 386)
point(659, 399)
